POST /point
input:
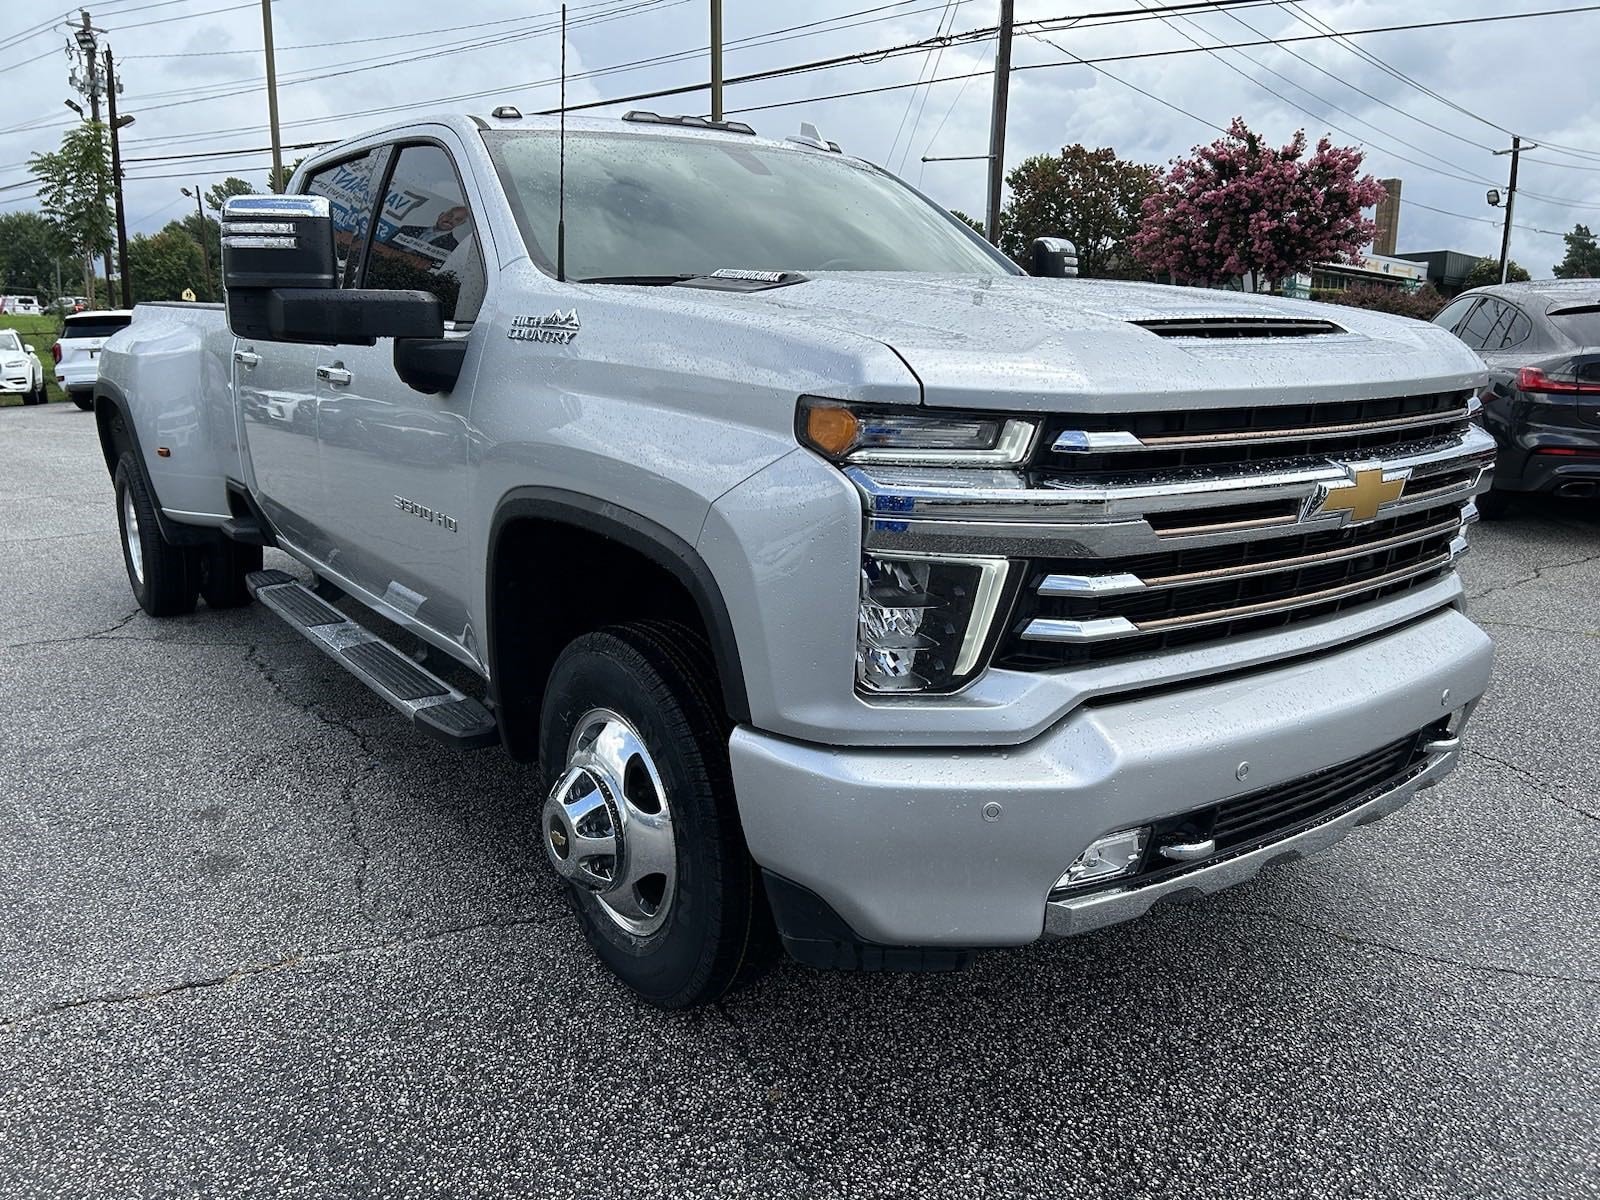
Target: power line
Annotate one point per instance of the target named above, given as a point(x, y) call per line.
point(1317, 23)
point(1453, 172)
point(771, 37)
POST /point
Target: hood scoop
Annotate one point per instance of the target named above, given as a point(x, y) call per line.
point(1237, 327)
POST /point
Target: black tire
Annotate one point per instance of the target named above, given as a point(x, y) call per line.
point(83, 401)
point(222, 573)
point(1495, 506)
point(166, 577)
point(718, 930)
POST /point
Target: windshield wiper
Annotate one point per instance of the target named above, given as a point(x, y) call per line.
point(642, 280)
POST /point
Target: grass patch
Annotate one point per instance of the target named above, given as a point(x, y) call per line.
point(40, 333)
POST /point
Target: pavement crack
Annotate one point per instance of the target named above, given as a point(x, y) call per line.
point(1351, 939)
point(273, 966)
point(1538, 573)
point(92, 635)
point(1539, 785)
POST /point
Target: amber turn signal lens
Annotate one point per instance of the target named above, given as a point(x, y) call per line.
point(833, 429)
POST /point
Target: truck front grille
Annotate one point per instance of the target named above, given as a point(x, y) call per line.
point(1088, 610)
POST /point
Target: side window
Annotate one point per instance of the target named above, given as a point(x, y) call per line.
point(1450, 316)
point(348, 185)
point(1476, 331)
point(425, 237)
point(1517, 329)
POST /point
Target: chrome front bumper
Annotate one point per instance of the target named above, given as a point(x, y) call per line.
point(1072, 915)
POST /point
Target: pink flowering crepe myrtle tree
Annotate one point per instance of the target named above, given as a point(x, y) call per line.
point(1239, 207)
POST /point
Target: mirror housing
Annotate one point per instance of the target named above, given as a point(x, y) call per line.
point(349, 316)
point(273, 242)
point(1053, 258)
point(282, 279)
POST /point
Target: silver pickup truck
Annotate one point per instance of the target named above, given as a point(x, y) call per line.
point(857, 591)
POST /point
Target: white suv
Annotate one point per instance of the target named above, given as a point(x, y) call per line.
point(77, 351)
point(21, 373)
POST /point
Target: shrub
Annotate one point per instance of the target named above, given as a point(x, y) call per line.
point(1423, 304)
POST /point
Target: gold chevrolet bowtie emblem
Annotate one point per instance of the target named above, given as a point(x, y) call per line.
point(1363, 498)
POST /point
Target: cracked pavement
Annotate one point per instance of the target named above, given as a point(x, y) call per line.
point(261, 940)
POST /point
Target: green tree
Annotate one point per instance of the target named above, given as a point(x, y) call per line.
point(966, 220)
point(164, 264)
point(217, 193)
point(1487, 270)
point(279, 182)
point(75, 193)
point(1091, 197)
point(31, 255)
point(1583, 255)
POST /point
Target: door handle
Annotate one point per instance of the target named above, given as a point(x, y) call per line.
point(337, 376)
point(246, 359)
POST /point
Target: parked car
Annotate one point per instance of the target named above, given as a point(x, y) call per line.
point(848, 583)
point(22, 306)
point(1541, 342)
point(21, 372)
point(77, 351)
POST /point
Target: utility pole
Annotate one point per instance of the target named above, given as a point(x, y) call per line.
point(116, 182)
point(88, 85)
point(716, 60)
point(205, 255)
point(1511, 200)
point(997, 122)
point(272, 96)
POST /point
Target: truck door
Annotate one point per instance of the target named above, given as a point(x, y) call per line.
point(276, 381)
point(393, 460)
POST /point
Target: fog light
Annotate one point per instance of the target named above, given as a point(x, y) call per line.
point(1108, 857)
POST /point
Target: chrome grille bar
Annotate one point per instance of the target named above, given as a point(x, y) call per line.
point(1089, 586)
point(1049, 629)
point(1079, 441)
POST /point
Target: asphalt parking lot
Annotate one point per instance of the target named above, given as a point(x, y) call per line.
point(258, 939)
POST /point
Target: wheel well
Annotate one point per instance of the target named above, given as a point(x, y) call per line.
point(114, 437)
point(551, 580)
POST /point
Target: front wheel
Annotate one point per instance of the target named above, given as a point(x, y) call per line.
point(164, 577)
point(640, 821)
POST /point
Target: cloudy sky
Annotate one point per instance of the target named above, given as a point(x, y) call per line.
point(1429, 105)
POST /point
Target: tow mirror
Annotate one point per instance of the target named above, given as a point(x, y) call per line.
point(282, 279)
point(271, 242)
point(1053, 258)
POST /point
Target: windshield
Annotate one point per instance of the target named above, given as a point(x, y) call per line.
point(665, 206)
point(9, 341)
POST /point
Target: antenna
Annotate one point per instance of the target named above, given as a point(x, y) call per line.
point(561, 185)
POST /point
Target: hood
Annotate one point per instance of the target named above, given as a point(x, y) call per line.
point(1022, 343)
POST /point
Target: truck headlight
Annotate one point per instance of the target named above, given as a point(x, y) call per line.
point(924, 620)
point(912, 436)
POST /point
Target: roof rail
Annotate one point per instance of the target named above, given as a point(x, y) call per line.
point(649, 118)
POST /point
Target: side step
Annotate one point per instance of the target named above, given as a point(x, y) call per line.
point(434, 707)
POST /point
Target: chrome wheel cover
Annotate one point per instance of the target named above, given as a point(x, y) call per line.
point(607, 824)
point(130, 535)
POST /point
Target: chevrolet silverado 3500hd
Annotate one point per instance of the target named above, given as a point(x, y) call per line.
point(850, 585)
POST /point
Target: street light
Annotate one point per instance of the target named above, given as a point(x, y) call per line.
point(74, 106)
